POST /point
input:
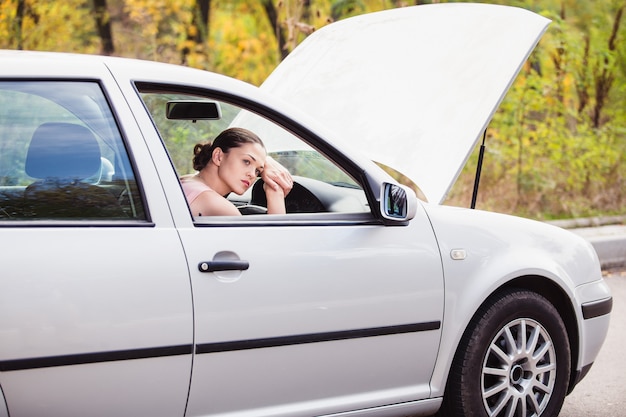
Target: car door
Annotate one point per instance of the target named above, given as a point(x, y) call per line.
point(321, 310)
point(327, 318)
point(95, 300)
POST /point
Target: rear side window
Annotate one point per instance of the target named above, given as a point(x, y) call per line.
point(62, 156)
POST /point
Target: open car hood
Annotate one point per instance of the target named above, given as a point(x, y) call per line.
point(413, 87)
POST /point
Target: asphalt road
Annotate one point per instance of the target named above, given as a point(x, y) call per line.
point(603, 392)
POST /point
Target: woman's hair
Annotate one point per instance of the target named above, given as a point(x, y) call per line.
point(229, 138)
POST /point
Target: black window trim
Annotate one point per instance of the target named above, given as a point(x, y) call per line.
point(292, 126)
point(146, 222)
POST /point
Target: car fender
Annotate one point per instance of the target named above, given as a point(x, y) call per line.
point(482, 252)
point(4, 411)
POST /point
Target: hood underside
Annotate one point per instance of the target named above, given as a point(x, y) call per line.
point(413, 88)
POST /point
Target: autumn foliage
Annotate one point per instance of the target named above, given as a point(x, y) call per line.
point(556, 148)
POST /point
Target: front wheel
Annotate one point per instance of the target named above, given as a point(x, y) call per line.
point(513, 360)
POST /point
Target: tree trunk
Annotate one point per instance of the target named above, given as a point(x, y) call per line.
point(582, 86)
point(606, 75)
point(19, 17)
point(272, 17)
point(200, 21)
point(103, 23)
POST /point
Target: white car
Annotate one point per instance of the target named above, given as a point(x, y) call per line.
point(362, 300)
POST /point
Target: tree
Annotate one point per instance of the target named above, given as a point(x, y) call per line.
point(17, 25)
point(604, 70)
point(103, 25)
point(279, 32)
point(555, 148)
point(198, 31)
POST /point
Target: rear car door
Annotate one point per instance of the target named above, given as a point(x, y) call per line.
point(95, 301)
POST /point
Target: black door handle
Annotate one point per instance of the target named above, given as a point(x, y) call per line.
point(213, 266)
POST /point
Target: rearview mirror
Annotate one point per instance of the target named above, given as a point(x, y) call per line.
point(397, 202)
point(193, 110)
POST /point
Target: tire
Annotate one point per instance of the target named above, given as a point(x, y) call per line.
point(493, 375)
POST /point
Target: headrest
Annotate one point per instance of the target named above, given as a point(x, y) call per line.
point(62, 151)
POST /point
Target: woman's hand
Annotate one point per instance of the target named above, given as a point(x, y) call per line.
point(275, 199)
point(276, 176)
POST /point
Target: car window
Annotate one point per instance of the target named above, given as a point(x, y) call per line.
point(321, 185)
point(62, 156)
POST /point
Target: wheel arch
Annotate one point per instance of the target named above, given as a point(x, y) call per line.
point(541, 286)
point(560, 300)
point(554, 294)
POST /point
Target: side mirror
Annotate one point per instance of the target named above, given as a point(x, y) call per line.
point(193, 110)
point(397, 203)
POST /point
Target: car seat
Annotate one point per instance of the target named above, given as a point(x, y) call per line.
point(60, 157)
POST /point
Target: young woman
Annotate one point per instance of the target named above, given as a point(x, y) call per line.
point(231, 164)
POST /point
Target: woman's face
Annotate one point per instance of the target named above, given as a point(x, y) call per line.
point(241, 166)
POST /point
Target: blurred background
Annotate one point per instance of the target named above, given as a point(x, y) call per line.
point(555, 149)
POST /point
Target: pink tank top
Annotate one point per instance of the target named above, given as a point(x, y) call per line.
point(193, 188)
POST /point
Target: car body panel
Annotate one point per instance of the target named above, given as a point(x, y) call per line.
point(336, 313)
point(593, 330)
point(331, 292)
point(498, 249)
point(312, 311)
point(436, 94)
point(4, 412)
point(89, 297)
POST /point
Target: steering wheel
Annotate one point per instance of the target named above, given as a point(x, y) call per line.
point(252, 209)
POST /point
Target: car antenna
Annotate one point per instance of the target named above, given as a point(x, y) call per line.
point(479, 167)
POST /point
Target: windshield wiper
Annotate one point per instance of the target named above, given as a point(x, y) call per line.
point(344, 184)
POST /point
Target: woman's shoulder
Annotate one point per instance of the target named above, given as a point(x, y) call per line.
point(192, 180)
point(205, 201)
point(193, 187)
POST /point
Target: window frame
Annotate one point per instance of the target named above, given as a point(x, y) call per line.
point(357, 173)
point(113, 122)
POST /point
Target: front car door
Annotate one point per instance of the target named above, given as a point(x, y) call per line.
point(95, 300)
point(331, 310)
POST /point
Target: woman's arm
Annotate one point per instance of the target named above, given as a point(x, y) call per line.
point(276, 176)
point(210, 203)
point(275, 199)
point(277, 184)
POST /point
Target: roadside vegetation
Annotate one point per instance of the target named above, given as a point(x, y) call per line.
point(555, 149)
